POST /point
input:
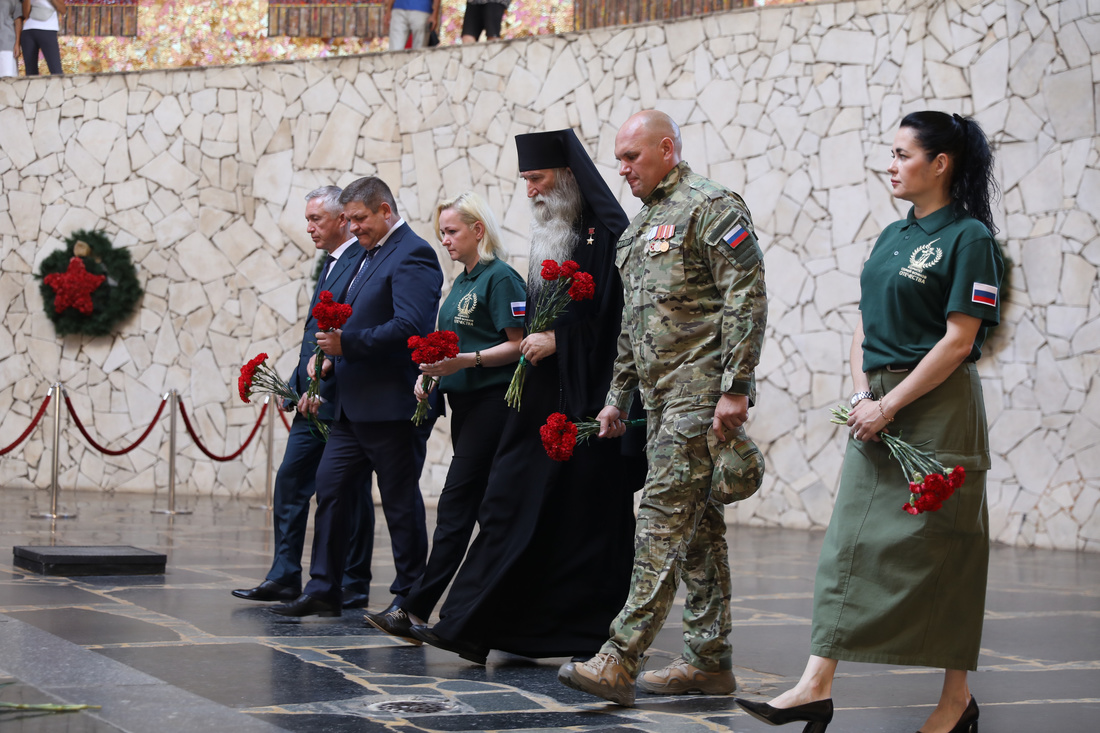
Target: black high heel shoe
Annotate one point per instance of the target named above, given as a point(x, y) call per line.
point(816, 715)
point(968, 721)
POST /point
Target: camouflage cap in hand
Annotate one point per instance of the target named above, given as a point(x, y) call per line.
point(738, 467)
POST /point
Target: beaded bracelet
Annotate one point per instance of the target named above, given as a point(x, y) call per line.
point(887, 419)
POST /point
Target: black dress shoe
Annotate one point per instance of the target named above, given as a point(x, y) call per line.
point(816, 715)
point(351, 599)
point(469, 651)
point(395, 622)
point(968, 721)
point(268, 591)
point(306, 605)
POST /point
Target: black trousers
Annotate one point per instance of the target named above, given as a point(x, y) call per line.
point(477, 420)
point(36, 40)
point(390, 449)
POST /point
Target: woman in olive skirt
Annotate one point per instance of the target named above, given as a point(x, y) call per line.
point(894, 588)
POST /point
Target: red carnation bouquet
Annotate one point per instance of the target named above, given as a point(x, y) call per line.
point(930, 482)
point(436, 346)
point(258, 376)
point(329, 316)
point(565, 283)
point(560, 436)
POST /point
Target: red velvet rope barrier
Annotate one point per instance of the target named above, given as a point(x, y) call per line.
point(108, 451)
point(207, 453)
point(285, 421)
point(30, 428)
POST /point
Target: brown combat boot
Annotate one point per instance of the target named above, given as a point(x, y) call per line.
point(683, 678)
point(603, 676)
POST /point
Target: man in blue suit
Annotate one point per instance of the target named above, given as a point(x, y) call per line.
point(295, 482)
point(394, 295)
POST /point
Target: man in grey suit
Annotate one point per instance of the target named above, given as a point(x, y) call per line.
point(295, 483)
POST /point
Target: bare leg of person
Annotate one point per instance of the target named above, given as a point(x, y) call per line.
point(953, 701)
point(469, 39)
point(816, 684)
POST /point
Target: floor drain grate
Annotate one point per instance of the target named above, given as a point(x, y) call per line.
point(414, 706)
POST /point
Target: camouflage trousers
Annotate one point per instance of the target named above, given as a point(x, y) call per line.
point(680, 534)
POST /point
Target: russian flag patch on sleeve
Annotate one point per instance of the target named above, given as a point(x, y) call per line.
point(984, 294)
point(735, 236)
point(519, 308)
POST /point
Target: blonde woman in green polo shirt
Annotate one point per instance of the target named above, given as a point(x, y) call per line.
point(485, 308)
point(893, 588)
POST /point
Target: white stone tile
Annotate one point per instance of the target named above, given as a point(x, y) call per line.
point(167, 172)
point(202, 261)
point(1068, 101)
point(565, 76)
point(947, 81)
point(16, 140)
point(842, 161)
point(1026, 72)
point(335, 145)
point(849, 206)
point(174, 227)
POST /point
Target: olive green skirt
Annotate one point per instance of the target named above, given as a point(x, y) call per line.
point(894, 588)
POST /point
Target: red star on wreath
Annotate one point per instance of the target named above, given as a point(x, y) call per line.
point(73, 288)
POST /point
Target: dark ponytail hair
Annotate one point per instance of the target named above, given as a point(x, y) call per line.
point(962, 139)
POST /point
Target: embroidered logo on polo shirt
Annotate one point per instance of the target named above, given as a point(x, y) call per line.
point(466, 307)
point(923, 257)
point(984, 294)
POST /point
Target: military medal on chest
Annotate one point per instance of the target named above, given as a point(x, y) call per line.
point(591, 233)
point(658, 237)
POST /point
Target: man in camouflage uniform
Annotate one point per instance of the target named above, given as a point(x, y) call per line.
point(693, 326)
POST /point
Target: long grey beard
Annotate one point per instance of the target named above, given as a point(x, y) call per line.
point(553, 236)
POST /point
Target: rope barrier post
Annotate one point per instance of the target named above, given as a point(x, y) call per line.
point(55, 391)
point(269, 487)
point(173, 398)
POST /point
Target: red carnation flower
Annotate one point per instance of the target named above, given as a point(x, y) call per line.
point(957, 476)
point(550, 270)
point(329, 315)
point(248, 373)
point(583, 287)
point(559, 437)
point(568, 284)
point(930, 482)
point(436, 346)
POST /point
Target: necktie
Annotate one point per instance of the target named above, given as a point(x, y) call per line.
point(362, 269)
point(326, 270)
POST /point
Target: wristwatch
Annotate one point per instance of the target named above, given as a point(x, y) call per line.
point(858, 396)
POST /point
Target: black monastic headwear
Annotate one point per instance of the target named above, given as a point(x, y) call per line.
point(562, 149)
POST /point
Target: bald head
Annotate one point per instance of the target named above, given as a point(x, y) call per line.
point(647, 147)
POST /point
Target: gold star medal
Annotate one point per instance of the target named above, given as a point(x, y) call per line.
point(591, 231)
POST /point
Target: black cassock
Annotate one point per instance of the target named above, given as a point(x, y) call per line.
point(550, 567)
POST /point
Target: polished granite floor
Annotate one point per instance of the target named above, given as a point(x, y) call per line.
point(177, 653)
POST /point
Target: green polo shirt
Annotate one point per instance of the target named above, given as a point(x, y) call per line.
point(481, 304)
point(919, 271)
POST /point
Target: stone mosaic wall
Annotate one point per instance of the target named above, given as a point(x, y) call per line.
point(201, 173)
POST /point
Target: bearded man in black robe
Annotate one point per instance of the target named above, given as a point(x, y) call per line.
point(550, 566)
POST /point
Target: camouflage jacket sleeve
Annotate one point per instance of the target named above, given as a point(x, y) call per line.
point(624, 378)
point(736, 263)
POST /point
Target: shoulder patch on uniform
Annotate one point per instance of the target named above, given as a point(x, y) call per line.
point(732, 234)
point(708, 188)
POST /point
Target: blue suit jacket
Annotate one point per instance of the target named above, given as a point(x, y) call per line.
point(336, 282)
point(396, 298)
